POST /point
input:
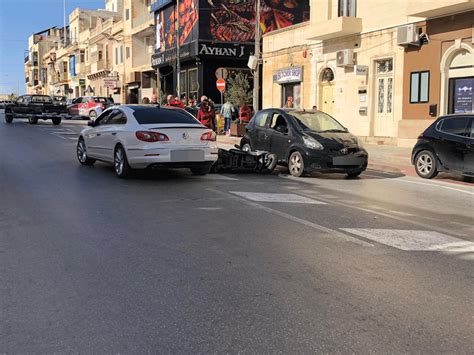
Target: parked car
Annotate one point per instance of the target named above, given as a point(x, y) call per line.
point(89, 106)
point(35, 107)
point(3, 103)
point(447, 145)
point(146, 136)
point(306, 141)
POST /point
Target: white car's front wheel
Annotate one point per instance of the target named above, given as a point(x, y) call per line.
point(81, 151)
point(122, 169)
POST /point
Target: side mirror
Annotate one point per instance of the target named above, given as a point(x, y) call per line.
point(282, 129)
point(90, 123)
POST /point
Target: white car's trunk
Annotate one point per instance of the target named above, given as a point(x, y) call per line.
point(180, 134)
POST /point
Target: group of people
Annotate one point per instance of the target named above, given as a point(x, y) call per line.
point(206, 112)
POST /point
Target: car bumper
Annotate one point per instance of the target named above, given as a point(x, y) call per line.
point(141, 158)
point(336, 163)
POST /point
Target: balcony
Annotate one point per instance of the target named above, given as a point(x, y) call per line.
point(99, 66)
point(430, 8)
point(143, 22)
point(337, 27)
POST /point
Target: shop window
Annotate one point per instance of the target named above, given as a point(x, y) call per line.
point(82, 56)
point(461, 95)
point(419, 87)
point(347, 8)
point(291, 95)
point(127, 14)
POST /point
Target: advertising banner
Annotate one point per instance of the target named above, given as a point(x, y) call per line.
point(234, 20)
point(463, 95)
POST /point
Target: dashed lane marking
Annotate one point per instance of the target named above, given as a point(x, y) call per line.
point(274, 197)
point(415, 240)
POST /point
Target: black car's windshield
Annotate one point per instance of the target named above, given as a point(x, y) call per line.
point(317, 121)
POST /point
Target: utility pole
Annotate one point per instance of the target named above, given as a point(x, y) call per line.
point(64, 14)
point(256, 74)
point(178, 60)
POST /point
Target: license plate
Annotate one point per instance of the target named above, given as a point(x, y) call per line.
point(187, 155)
point(347, 160)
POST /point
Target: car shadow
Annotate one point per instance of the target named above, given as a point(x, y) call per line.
point(369, 174)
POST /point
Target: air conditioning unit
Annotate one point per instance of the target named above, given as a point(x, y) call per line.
point(345, 58)
point(407, 35)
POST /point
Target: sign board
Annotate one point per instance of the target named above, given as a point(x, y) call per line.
point(109, 83)
point(82, 82)
point(289, 75)
point(220, 84)
point(361, 70)
point(222, 73)
point(463, 95)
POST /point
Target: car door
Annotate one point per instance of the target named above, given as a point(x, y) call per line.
point(95, 144)
point(469, 156)
point(451, 143)
point(74, 107)
point(258, 132)
point(279, 136)
point(111, 129)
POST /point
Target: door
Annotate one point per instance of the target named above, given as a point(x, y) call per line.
point(74, 108)
point(258, 132)
point(327, 98)
point(279, 136)
point(383, 122)
point(452, 143)
point(111, 129)
point(95, 144)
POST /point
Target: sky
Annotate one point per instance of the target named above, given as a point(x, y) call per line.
point(19, 19)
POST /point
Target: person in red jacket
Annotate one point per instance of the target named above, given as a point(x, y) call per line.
point(206, 115)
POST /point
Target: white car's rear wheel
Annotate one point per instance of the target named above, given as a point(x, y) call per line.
point(122, 169)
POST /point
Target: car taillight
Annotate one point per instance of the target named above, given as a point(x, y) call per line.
point(209, 136)
point(148, 136)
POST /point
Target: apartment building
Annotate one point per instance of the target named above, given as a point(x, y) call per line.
point(383, 70)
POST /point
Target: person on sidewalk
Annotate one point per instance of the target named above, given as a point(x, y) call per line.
point(206, 115)
point(227, 110)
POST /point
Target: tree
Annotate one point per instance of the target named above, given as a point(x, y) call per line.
point(239, 92)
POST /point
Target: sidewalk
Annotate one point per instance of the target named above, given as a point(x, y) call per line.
point(381, 157)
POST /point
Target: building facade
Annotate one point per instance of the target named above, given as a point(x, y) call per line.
point(356, 64)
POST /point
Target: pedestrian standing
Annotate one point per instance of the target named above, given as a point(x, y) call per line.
point(227, 111)
point(206, 115)
point(145, 100)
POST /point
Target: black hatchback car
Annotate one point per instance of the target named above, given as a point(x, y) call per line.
point(306, 141)
point(447, 145)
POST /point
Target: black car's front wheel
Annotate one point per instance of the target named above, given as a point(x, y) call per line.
point(426, 165)
point(33, 120)
point(56, 120)
point(296, 164)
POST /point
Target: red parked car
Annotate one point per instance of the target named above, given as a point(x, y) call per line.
point(89, 106)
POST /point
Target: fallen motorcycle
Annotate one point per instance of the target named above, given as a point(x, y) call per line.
point(237, 160)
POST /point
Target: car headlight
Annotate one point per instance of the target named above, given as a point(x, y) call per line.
point(312, 143)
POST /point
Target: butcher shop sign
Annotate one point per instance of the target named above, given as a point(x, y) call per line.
point(289, 75)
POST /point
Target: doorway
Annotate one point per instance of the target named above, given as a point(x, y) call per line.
point(326, 90)
point(383, 122)
point(291, 93)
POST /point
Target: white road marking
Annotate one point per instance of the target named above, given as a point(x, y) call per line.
point(213, 177)
point(272, 197)
point(209, 208)
point(329, 233)
point(433, 184)
point(414, 240)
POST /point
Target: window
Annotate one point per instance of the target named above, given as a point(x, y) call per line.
point(278, 120)
point(100, 55)
point(455, 125)
point(121, 54)
point(419, 87)
point(127, 52)
point(117, 117)
point(82, 56)
point(116, 55)
point(347, 8)
point(103, 118)
point(154, 115)
point(261, 119)
point(127, 14)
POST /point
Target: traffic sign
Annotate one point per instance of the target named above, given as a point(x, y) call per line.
point(222, 73)
point(220, 83)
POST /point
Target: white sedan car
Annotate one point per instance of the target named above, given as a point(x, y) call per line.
point(143, 136)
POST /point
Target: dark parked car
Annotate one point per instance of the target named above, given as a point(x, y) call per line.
point(306, 141)
point(35, 107)
point(447, 145)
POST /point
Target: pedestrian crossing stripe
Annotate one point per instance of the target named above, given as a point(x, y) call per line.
point(276, 197)
point(414, 240)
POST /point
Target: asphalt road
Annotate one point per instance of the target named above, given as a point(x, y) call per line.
point(171, 263)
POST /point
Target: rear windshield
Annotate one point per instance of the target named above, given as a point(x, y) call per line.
point(100, 99)
point(155, 115)
point(46, 99)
